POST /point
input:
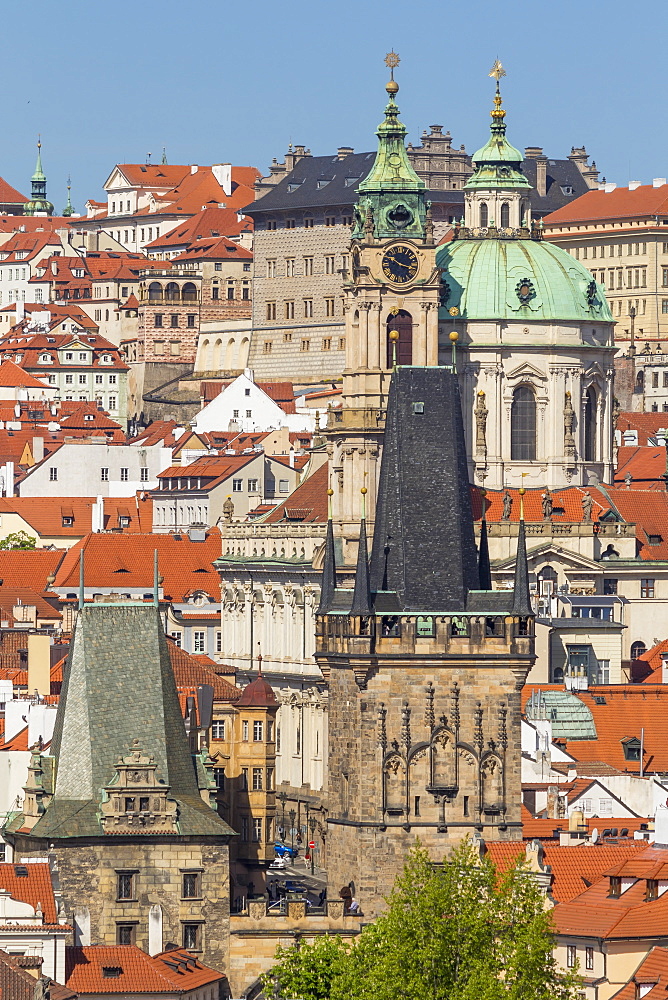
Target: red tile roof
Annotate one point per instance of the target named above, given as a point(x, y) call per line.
point(568, 500)
point(648, 510)
point(125, 562)
point(212, 470)
point(9, 195)
point(309, 500)
point(204, 223)
point(573, 868)
point(647, 424)
point(190, 673)
point(652, 969)
point(653, 672)
point(157, 432)
point(215, 248)
point(45, 514)
point(171, 972)
point(626, 709)
point(17, 983)
point(11, 375)
point(28, 568)
point(33, 888)
point(645, 201)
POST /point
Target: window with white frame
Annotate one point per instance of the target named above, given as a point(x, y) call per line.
point(199, 642)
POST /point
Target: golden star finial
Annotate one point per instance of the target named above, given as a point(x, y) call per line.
point(392, 60)
point(497, 70)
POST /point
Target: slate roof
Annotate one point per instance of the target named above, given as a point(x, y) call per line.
point(324, 181)
point(119, 686)
point(560, 174)
point(170, 972)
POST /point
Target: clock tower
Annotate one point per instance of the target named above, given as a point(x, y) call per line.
point(391, 307)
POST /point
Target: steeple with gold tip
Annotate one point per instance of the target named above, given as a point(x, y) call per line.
point(38, 204)
point(391, 196)
point(69, 209)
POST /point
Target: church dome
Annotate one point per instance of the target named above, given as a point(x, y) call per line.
point(518, 279)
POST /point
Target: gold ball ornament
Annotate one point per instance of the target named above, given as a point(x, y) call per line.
point(521, 491)
point(394, 335)
point(330, 492)
point(363, 491)
point(454, 337)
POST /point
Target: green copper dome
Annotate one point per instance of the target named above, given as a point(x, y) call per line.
point(498, 164)
point(512, 279)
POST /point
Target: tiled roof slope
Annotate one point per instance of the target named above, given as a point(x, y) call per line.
point(11, 375)
point(125, 562)
point(652, 662)
point(571, 866)
point(215, 248)
point(653, 972)
point(9, 195)
point(190, 673)
point(645, 201)
point(619, 711)
point(171, 972)
point(307, 504)
point(568, 499)
point(207, 223)
point(16, 983)
point(648, 510)
point(647, 424)
point(28, 568)
point(644, 464)
point(34, 888)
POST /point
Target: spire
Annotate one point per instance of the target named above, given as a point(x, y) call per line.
point(484, 569)
point(521, 598)
point(392, 189)
point(362, 602)
point(38, 204)
point(498, 164)
point(164, 156)
point(68, 210)
point(328, 585)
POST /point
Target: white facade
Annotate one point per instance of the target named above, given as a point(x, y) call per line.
point(91, 468)
point(244, 406)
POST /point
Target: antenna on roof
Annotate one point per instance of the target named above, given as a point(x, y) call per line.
point(81, 579)
point(155, 578)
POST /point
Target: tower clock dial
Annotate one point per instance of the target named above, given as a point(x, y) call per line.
point(400, 264)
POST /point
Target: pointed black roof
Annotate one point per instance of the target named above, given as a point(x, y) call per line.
point(362, 603)
point(423, 546)
point(484, 568)
point(328, 584)
point(521, 595)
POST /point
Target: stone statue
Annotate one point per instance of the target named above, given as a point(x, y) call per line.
point(569, 423)
point(587, 505)
point(228, 510)
point(480, 412)
point(547, 504)
point(507, 505)
point(42, 989)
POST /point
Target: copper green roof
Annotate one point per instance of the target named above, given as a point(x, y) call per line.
point(518, 279)
point(497, 164)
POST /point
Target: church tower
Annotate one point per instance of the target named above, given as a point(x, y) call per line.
point(38, 204)
point(424, 662)
point(535, 335)
point(391, 306)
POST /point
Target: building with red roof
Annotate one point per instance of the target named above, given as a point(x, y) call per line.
point(30, 918)
point(196, 494)
point(124, 970)
point(621, 234)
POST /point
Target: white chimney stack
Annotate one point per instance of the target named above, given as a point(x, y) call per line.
point(633, 185)
point(661, 826)
point(658, 182)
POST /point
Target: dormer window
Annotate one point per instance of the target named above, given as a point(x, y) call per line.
point(83, 356)
point(652, 890)
point(69, 356)
point(615, 887)
point(79, 272)
point(106, 359)
point(631, 747)
point(45, 359)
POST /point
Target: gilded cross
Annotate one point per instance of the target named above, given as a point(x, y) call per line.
point(497, 70)
point(392, 60)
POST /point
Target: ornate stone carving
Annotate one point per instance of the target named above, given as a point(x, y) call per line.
point(507, 506)
point(480, 414)
point(587, 505)
point(547, 505)
point(569, 423)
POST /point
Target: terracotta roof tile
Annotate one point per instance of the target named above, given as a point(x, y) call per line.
point(653, 969)
point(622, 203)
point(190, 673)
point(28, 568)
point(310, 499)
point(204, 223)
point(173, 971)
point(33, 888)
point(9, 195)
point(17, 983)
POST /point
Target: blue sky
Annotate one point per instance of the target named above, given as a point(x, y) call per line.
point(220, 81)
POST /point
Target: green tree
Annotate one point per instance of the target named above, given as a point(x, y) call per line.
point(460, 931)
point(18, 540)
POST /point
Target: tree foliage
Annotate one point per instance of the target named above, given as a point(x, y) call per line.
point(460, 931)
point(18, 540)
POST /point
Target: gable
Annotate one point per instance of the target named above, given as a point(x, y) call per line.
point(550, 553)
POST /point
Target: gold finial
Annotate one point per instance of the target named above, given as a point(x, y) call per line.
point(521, 492)
point(497, 71)
point(454, 337)
point(394, 335)
point(39, 140)
point(330, 492)
point(453, 310)
point(364, 491)
point(392, 60)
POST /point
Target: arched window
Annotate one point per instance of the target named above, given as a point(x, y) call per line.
point(484, 214)
point(523, 425)
point(172, 292)
point(637, 649)
point(547, 581)
point(590, 426)
point(403, 324)
point(155, 292)
point(189, 292)
point(505, 215)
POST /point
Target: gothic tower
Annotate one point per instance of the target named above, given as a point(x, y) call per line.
point(391, 307)
point(118, 801)
point(424, 664)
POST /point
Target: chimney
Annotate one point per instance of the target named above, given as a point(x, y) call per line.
point(223, 174)
point(609, 187)
point(38, 449)
point(9, 479)
point(633, 185)
point(193, 168)
point(664, 668)
point(39, 663)
point(661, 827)
point(658, 182)
point(533, 152)
point(541, 175)
point(344, 151)
point(97, 515)
point(292, 458)
point(553, 802)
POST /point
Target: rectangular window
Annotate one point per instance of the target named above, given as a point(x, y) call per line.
point(83, 379)
point(266, 347)
point(308, 308)
point(191, 887)
point(192, 937)
point(652, 889)
point(125, 933)
point(283, 486)
point(289, 223)
point(125, 475)
point(289, 267)
point(258, 731)
point(615, 886)
point(53, 475)
point(244, 730)
point(174, 320)
point(257, 831)
point(327, 344)
point(157, 320)
point(143, 475)
point(647, 588)
point(308, 266)
point(342, 343)
point(271, 268)
point(329, 306)
point(190, 321)
point(99, 379)
point(571, 956)
point(271, 310)
point(69, 379)
point(329, 263)
point(98, 315)
point(309, 223)
point(589, 958)
point(330, 220)
point(664, 306)
point(245, 291)
point(112, 402)
point(176, 637)
point(125, 885)
point(244, 829)
point(218, 729)
point(199, 642)
point(290, 309)
point(219, 642)
point(219, 778)
point(271, 224)
point(237, 485)
point(230, 293)
point(257, 779)
point(305, 345)
point(104, 475)
point(252, 485)
point(270, 779)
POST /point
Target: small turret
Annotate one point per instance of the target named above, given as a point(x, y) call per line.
point(38, 204)
point(522, 597)
point(328, 585)
point(362, 601)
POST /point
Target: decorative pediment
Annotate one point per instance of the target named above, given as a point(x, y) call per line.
point(526, 372)
point(136, 798)
point(553, 554)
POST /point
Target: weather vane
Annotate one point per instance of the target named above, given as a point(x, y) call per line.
point(497, 70)
point(392, 60)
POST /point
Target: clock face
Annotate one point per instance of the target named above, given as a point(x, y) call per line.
point(400, 264)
